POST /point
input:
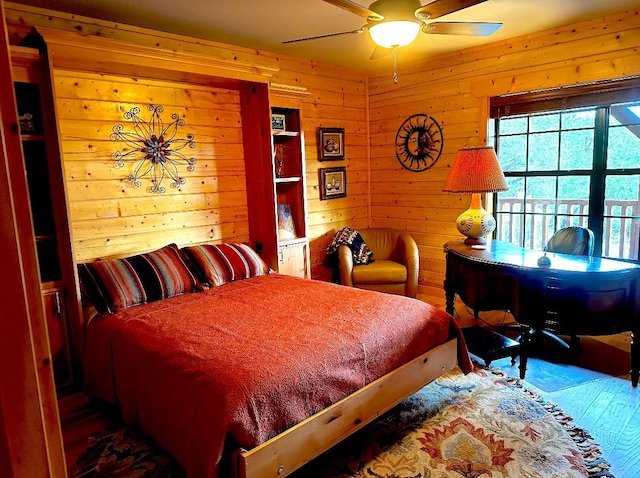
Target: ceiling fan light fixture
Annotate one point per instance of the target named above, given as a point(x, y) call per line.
point(395, 33)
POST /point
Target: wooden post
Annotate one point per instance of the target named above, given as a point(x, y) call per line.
point(30, 437)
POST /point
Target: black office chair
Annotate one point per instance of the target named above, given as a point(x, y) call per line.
point(573, 240)
point(577, 241)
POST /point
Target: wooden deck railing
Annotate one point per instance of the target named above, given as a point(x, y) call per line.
point(621, 224)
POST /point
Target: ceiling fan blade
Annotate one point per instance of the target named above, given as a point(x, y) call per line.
point(380, 52)
point(480, 29)
point(353, 7)
point(359, 30)
point(439, 8)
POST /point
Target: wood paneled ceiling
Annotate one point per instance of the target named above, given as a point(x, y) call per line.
point(264, 24)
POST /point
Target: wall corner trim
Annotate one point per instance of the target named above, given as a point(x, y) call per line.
point(74, 51)
point(288, 91)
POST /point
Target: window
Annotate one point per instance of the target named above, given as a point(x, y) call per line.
point(570, 160)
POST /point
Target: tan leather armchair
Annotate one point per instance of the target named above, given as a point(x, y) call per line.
point(396, 265)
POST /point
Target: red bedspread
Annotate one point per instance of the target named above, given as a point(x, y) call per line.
point(233, 366)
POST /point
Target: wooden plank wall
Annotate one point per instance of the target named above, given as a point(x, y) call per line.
point(340, 104)
point(109, 217)
point(214, 203)
point(454, 89)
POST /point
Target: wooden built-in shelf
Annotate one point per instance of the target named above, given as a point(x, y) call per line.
point(43, 170)
point(292, 242)
point(276, 177)
point(291, 179)
point(52, 284)
point(293, 134)
point(46, 237)
point(276, 165)
point(32, 137)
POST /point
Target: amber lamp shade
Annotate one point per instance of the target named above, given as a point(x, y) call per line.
point(475, 171)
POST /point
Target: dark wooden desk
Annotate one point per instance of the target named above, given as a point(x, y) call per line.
point(575, 295)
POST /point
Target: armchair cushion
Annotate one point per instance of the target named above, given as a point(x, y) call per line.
point(380, 272)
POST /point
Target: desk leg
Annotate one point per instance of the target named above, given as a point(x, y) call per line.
point(450, 296)
point(525, 345)
point(635, 360)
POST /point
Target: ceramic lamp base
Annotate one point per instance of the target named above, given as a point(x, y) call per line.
point(475, 241)
point(476, 222)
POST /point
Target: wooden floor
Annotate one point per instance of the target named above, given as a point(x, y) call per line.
point(81, 419)
point(610, 410)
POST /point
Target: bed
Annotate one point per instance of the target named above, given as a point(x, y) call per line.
point(261, 372)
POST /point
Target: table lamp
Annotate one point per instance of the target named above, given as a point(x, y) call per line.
point(475, 170)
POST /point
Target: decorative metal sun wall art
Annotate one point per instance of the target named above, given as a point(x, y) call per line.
point(419, 142)
point(154, 149)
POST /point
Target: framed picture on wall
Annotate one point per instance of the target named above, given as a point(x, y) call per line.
point(330, 144)
point(333, 182)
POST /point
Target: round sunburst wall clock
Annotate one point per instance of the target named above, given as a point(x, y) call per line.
point(419, 142)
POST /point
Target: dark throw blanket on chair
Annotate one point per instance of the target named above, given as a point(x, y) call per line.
point(352, 238)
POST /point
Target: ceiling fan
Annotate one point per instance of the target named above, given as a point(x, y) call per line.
point(396, 23)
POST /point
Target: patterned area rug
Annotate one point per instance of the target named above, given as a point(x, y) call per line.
point(484, 424)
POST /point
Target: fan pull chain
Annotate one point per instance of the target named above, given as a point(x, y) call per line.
point(395, 65)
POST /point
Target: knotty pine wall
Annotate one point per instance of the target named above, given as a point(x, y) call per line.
point(454, 89)
point(108, 218)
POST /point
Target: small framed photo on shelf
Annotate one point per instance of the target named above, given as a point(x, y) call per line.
point(330, 144)
point(333, 183)
point(278, 122)
point(27, 124)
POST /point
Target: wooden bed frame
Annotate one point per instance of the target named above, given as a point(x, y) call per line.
point(288, 451)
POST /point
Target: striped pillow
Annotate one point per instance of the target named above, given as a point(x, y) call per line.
point(164, 273)
point(218, 264)
point(111, 285)
point(117, 284)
